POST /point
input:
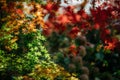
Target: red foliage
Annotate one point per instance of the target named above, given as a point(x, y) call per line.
point(101, 18)
point(51, 6)
point(73, 33)
point(83, 14)
point(110, 43)
point(63, 19)
point(96, 26)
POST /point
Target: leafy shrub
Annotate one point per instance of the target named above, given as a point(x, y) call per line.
point(22, 51)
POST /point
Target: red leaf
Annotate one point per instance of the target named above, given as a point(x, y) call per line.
point(97, 26)
point(51, 6)
point(63, 19)
point(73, 33)
point(110, 43)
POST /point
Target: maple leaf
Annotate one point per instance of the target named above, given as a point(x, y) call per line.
point(73, 33)
point(75, 18)
point(51, 6)
point(96, 26)
point(63, 19)
point(110, 44)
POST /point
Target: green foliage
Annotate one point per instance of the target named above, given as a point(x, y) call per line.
point(27, 51)
point(27, 58)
